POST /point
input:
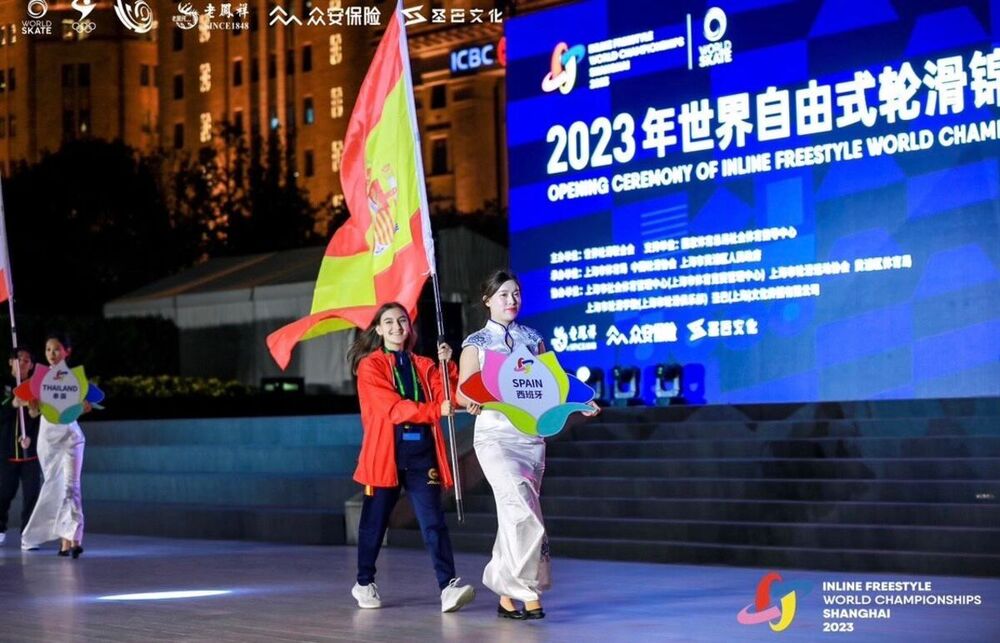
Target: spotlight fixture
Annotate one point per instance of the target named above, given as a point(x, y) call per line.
point(667, 384)
point(625, 389)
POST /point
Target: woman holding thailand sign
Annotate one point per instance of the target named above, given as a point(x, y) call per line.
point(521, 395)
point(60, 394)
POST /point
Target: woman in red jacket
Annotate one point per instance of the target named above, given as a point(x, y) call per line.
point(402, 402)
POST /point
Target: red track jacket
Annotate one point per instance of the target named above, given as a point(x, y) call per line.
point(382, 408)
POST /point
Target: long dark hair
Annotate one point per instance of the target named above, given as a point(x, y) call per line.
point(494, 281)
point(368, 340)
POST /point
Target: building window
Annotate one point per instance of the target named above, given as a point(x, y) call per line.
point(68, 75)
point(254, 70)
point(336, 49)
point(237, 73)
point(84, 123)
point(336, 102)
point(3, 81)
point(178, 86)
point(69, 124)
point(439, 96)
point(253, 19)
point(144, 75)
point(238, 121)
point(439, 156)
point(3, 35)
point(178, 136)
point(11, 128)
point(272, 65)
point(290, 61)
point(308, 111)
point(205, 133)
point(205, 77)
point(83, 75)
point(178, 39)
point(310, 163)
point(3, 130)
point(11, 82)
point(307, 58)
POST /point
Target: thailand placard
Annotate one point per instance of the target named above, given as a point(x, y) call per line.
point(532, 391)
point(60, 391)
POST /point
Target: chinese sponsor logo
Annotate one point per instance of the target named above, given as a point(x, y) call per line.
point(85, 7)
point(227, 17)
point(763, 611)
point(136, 16)
point(458, 15)
point(563, 68)
point(36, 26)
point(717, 51)
point(187, 16)
point(722, 328)
point(577, 338)
point(639, 334)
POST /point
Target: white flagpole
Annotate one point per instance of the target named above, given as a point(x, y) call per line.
point(10, 297)
point(428, 241)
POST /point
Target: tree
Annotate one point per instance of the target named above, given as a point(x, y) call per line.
point(87, 224)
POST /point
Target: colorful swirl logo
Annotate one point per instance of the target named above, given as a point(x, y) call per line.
point(766, 612)
point(524, 365)
point(562, 74)
point(137, 16)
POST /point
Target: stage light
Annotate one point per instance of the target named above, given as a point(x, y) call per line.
point(594, 378)
point(283, 385)
point(158, 596)
point(625, 388)
point(667, 384)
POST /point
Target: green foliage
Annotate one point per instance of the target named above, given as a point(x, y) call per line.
point(170, 386)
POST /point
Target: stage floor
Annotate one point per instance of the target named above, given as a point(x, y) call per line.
point(300, 593)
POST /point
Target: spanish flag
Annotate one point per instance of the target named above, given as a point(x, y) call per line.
point(384, 252)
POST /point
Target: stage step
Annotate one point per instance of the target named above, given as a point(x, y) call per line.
point(902, 486)
point(211, 521)
point(662, 551)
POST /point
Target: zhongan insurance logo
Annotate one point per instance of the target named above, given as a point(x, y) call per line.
point(562, 72)
point(763, 610)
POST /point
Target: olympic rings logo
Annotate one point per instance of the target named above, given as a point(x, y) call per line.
point(562, 73)
point(37, 8)
point(84, 26)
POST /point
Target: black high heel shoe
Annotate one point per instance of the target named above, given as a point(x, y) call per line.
point(533, 615)
point(76, 551)
point(516, 615)
point(62, 552)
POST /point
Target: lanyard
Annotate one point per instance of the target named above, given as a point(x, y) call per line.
point(399, 379)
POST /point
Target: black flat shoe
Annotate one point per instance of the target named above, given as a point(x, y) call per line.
point(76, 551)
point(517, 615)
point(533, 615)
point(62, 552)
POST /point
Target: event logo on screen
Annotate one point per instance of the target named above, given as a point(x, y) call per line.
point(562, 73)
point(717, 51)
point(779, 615)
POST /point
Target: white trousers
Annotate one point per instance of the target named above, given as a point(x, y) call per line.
point(514, 465)
point(59, 510)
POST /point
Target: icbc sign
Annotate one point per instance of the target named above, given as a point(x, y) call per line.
point(471, 59)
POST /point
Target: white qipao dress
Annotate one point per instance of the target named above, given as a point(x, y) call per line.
point(514, 464)
point(59, 510)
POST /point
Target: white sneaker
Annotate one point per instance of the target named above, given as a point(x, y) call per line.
point(3, 537)
point(367, 596)
point(455, 596)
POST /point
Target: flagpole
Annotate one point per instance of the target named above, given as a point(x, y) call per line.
point(10, 298)
point(432, 258)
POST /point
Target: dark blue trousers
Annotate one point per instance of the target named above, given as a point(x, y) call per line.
point(419, 476)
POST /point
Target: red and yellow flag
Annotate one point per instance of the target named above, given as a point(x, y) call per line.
point(384, 252)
